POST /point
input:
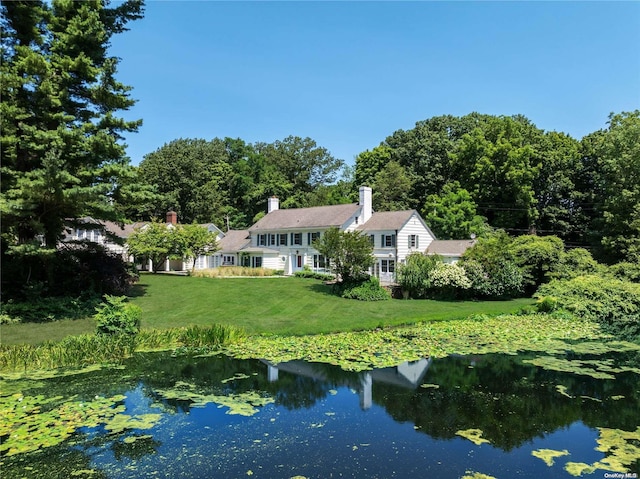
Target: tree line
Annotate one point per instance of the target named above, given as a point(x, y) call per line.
point(465, 175)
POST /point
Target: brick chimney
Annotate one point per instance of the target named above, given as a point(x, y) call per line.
point(172, 217)
point(273, 204)
point(365, 203)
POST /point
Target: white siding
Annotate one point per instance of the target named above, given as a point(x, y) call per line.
point(413, 227)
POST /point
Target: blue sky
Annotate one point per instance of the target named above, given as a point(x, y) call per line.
point(348, 74)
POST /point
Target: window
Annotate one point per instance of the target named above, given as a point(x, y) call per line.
point(388, 240)
point(356, 220)
point(387, 266)
point(414, 241)
point(296, 239)
point(311, 237)
point(320, 262)
point(262, 240)
point(256, 261)
point(372, 239)
point(272, 240)
point(228, 260)
point(282, 239)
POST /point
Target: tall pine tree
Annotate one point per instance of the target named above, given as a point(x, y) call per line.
point(61, 144)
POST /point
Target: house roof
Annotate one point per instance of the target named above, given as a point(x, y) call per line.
point(234, 240)
point(454, 248)
point(387, 220)
point(314, 217)
point(122, 230)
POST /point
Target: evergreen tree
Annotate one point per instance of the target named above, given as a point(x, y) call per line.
point(62, 154)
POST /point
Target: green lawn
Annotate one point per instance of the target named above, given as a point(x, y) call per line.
point(262, 305)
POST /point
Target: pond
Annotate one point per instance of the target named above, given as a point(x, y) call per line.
point(491, 415)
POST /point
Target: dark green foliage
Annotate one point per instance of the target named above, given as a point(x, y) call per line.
point(61, 149)
point(81, 269)
point(366, 290)
point(537, 257)
point(227, 181)
point(50, 308)
point(613, 303)
point(116, 316)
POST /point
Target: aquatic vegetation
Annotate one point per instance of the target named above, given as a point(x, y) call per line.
point(244, 404)
point(578, 468)
point(548, 455)
point(474, 435)
point(476, 475)
point(598, 369)
point(562, 389)
point(358, 351)
point(33, 422)
point(621, 449)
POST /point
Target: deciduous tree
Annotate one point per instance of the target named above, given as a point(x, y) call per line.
point(350, 253)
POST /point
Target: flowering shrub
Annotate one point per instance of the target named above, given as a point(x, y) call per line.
point(449, 280)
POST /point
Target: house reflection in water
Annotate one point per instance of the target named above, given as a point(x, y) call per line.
point(407, 375)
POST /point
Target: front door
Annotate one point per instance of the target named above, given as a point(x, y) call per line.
point(299, 261)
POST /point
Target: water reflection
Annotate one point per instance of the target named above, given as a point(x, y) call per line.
point(406, 375)
point(316, 420)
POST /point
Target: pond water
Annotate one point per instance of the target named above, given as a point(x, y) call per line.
point(217, 417)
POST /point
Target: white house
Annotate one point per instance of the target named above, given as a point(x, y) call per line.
point(283, 238)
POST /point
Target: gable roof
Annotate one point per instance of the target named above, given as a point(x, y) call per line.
point(313, 217)
point(387, 220)
point(455, 248)
point(234, 240)
point(392, 220)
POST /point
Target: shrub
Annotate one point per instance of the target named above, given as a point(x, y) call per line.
point(537, 257)
point(613, 303)
point(448, 280)
point(413, 276)
point(307, 273)
point(39, 310)
point(367, 290)
point(576, 262)
point(116, 316)
point(626, 271)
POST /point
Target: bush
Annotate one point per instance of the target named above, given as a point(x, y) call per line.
point(613, 303)
point(116, 316)
point(626, 271)
point(367, 290)
point(576, 262)
point(78, 268)
point(307, 273)
point(448, 281)
point(413, 276)
point(39, 310)
point(537, 257)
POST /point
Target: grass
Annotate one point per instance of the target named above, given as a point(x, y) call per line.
point(285, 306)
